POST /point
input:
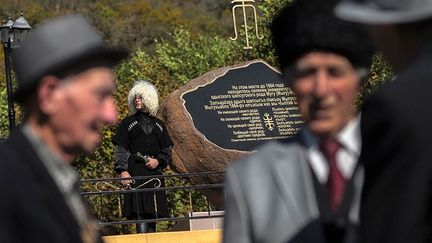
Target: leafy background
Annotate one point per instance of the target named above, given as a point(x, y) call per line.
point(172, 42)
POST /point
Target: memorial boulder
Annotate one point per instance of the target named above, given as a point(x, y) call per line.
point(225, 115)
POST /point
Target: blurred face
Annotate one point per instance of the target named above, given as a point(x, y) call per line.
point(139, 105)
point(84, 105)
point(325, 85)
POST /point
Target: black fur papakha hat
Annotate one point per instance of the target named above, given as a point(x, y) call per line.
point(63, 46)
point(310, 25)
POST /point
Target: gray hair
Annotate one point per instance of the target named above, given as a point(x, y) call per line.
point(149, 94)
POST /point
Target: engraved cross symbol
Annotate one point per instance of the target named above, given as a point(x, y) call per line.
point(242, 4)
point(268, 121)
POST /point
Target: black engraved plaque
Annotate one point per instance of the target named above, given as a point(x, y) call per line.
point(244, 108)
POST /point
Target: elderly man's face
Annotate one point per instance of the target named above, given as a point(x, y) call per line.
point(325, 85)
point(85, 105)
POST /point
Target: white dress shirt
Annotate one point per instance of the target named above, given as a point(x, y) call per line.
point(346, 157)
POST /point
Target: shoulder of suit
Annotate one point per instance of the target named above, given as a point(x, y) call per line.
point(13, 152)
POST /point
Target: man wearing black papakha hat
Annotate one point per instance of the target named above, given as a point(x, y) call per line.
point(305, 189)
point(65, 86)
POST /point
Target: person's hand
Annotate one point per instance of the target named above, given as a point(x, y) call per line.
point(124, 175)
point(152, 163)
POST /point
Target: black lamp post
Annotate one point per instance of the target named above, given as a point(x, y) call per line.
point(12, 33)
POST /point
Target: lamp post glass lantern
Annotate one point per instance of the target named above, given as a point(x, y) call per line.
point(20, 29)
point(12, 33)
point(5, 30)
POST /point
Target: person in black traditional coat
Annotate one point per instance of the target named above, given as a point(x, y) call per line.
point(143, 148)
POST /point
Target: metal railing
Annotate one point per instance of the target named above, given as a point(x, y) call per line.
point(95, 189)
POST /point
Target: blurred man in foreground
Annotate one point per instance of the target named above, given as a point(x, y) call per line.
point(305, 189)
point(65, 86)
point(397, 123)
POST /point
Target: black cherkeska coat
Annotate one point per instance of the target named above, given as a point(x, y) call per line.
point(147, 135)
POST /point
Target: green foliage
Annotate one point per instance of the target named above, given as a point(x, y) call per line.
point(181, 202)
point(140, 65)
point(190, 56)
point(100, 165)
point(264, 49)
point(4, 121)
point(379, 73)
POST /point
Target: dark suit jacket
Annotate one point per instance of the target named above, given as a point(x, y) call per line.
point(271, 197)
point(397, 138)
point(33, 209)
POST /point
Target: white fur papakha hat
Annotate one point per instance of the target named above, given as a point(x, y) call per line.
point(149, 95)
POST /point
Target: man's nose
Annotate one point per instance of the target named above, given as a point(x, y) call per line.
point(109, 111)
point(321, 83)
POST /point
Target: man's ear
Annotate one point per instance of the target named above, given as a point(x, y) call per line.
point(48, 94)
